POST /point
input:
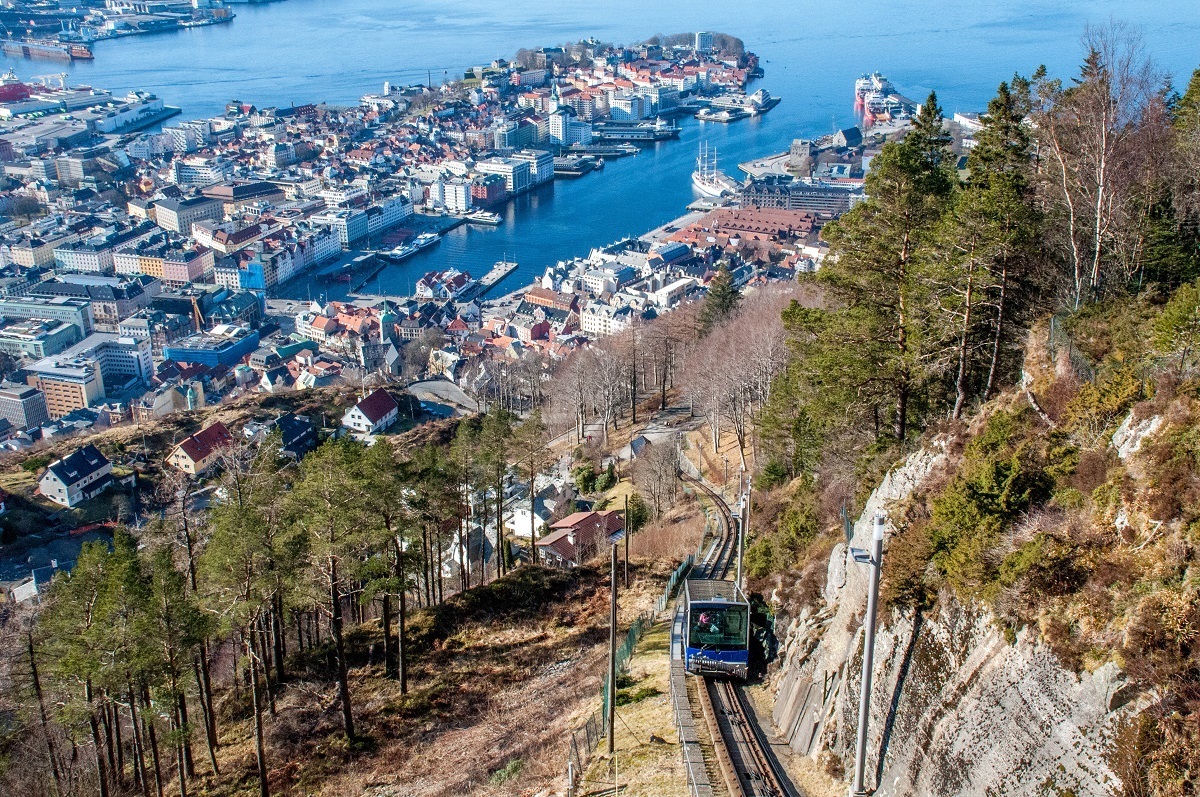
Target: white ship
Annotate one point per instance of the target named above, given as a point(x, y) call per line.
point(422, 241)
point(708, 179)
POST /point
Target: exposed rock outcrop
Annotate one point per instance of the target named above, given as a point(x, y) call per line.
point(957, 708)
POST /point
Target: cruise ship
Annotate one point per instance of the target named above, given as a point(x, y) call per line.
point(878, 101)
point(708, 179)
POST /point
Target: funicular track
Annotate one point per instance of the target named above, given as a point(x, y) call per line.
point(742, 756)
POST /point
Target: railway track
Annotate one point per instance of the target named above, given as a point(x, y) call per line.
point(741, 753)
point(719, 558)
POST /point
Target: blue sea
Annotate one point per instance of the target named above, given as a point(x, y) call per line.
point(298, 51)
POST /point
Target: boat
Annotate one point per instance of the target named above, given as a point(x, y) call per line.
point(34, 48)
point(574, 165)
point(421, 242)
point(81, 52)
point(724, 115)
point(484, 217)
point(878, 101)
point(708, 179)
point(658, 130)
point(735, 103)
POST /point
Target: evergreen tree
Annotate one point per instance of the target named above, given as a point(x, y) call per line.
point(1187, 108)
point(722, 300)
point(327, 512)
point(383, 483)
point(534, 458)
point(928, 138)
point(872, 343)
point(495, 438)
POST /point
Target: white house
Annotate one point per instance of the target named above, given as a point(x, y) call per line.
point(77, 477)
point(373, 414)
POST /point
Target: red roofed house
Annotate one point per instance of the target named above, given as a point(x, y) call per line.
point(578, 537)
point(196, 453)
point(373, 414)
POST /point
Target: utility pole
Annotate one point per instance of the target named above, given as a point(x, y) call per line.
point(874, 560)
point(628, 533)
point(743, 528)
point(612, 658)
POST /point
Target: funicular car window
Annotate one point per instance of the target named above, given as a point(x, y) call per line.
point(718, 627)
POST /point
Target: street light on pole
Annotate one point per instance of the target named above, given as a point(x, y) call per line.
point(874, 560)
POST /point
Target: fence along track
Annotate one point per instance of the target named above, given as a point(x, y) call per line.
point(746, 767)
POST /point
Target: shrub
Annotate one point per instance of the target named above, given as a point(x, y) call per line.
point(1000, 479)
point(1092, 415)
point(760, 558)
point(772, 475)
point(36, 464)
point(507, 772)
point(585, 478)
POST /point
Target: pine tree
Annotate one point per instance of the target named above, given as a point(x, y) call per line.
point(495, 438)
point(534, 458)
point(722, 300)
point(871, 346)
point(329, 515)
point(1187, 108)
point(383, 483)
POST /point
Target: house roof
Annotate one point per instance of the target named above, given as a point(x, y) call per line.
point(377, 405)
point(78, 465)
point(202, 444)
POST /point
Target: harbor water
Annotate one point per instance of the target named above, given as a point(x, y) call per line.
point(300, 51)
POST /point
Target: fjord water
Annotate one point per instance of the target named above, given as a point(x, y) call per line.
point(325, 51)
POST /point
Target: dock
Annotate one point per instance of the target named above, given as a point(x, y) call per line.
point(602, 151)
point(489, 280)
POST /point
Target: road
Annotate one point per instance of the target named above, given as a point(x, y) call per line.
point(443, 391)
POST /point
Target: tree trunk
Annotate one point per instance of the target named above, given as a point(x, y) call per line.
point(139, 746)
point(533, 551)
point(180, 763)
point(335, 606)
point(258, 637)
point(43, 717)
point(389, 644)
point(152, 735)
point(1001, 308)
point(119, 742)
point(101, 774)
point(277, 629)
point(401, 657)
point(106, 721)
point(960, 380)
point(208, 739)
point(207, 696)
point(260, 751)
point(185, 741)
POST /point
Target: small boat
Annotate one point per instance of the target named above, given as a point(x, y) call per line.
point(484, 217)
point(422, 241)
point(725, 115)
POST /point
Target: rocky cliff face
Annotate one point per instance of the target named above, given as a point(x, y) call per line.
point(956, 709)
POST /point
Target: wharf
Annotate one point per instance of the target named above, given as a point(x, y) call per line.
point(770, 165)
point(574, 166)
point(488, 281)
point(610, 151)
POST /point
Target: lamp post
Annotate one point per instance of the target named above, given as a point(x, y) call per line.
point(612, 656)
point(874, 560)
point(725, 484)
